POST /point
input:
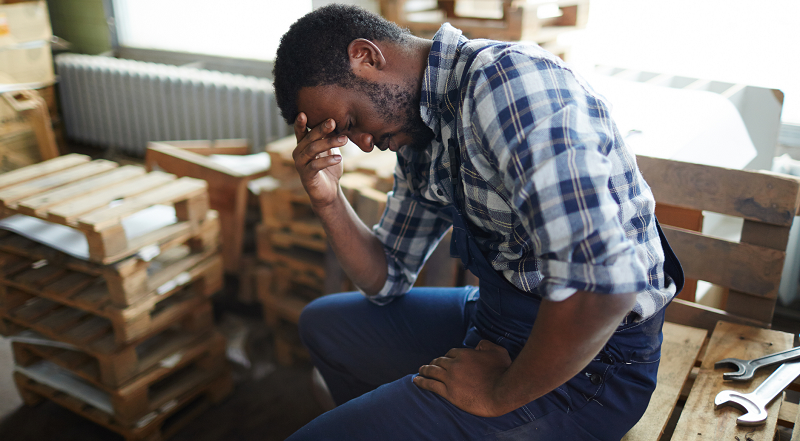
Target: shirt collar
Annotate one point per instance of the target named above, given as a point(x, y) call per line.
point(441, 62)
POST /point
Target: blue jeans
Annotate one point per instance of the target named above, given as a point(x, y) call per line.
point(368, 355)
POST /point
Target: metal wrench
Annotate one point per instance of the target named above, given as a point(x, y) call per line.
point(755, 403)
point(746, 368)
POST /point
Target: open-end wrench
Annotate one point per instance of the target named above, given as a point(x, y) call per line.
point(746, 368)
point(754, 404)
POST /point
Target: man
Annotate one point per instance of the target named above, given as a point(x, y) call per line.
point(506, 144)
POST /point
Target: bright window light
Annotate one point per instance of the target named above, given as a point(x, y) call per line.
point(234, 28)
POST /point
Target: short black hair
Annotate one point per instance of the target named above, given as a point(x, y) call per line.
point(313, 52)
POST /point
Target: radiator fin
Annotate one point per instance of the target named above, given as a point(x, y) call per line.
point(124, 104)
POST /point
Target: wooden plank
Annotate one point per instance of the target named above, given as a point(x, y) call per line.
point(796, 431)
point(184, 163)
point(42, 169)
point(740, 266)
point(700, 316)
point(699, 420)
point(759, 196)
point(745, 305)
point(679, 351)
point(765, 235)
point(10, 195)
point(67, 212)
point(38, 204)
point(170, 193)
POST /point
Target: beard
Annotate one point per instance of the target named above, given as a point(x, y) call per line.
point(398, 104)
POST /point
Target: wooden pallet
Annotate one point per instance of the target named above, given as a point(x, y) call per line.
point(296, 258)
point(132, 402)
point(132, 279)
point(158, 425)
point(95, 196)
point(154, 358)
point(56, 286)
point(88, 331)
point(682, 406)
point(282, 297)
point(118, 368)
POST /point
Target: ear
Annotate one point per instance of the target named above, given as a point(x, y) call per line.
point(365, 57)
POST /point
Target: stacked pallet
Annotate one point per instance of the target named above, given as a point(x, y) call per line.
point(122, 332)
point(539, 21)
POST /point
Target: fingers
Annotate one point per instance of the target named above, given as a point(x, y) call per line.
point(432, 385)
point(313, 151)
point(300, 126)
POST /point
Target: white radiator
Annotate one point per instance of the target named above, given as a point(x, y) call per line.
point(125, 104)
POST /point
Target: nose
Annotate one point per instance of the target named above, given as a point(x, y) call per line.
point(362, 140)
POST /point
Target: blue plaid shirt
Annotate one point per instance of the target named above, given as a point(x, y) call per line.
point(548, 182)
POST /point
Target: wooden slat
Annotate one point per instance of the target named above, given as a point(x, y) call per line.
point(183, 163)
point(765, 235)
point(693, 314)
point(176, 191)
point(37, 205)
point(679, 351)
point(9, 196)
point(745, 305)
point(765, 197)
point(42, 169)
point(740, 266)
point(699, 420)
point(67, 212)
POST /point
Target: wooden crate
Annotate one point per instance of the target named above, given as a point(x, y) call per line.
point(95, 196)
point(70, 292)
point(133, 279)
point(157, 425)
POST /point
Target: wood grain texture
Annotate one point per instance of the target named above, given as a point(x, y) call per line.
point(699, 419)
point(764, 197)
point(744, 267)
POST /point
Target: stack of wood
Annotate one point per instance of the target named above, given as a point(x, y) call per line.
point(539, 21)
point(296, 263)
point(124, 335)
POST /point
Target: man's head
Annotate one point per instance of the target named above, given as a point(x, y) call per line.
point(321, 57)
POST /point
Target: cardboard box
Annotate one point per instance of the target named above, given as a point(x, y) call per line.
point(25, 55)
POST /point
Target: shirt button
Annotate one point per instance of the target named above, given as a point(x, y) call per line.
point(596, 379)
point(440, 192)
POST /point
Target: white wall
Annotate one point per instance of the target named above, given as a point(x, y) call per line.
point(754, 42)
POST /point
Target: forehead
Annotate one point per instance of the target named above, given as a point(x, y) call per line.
point(322, 102)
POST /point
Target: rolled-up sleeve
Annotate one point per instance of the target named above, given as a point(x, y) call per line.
point(549, 138)
point(410, 229)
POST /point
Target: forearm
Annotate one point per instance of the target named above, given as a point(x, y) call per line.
point(358, 250)
point(564, 339)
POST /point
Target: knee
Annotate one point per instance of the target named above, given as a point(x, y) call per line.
point(312, 319)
